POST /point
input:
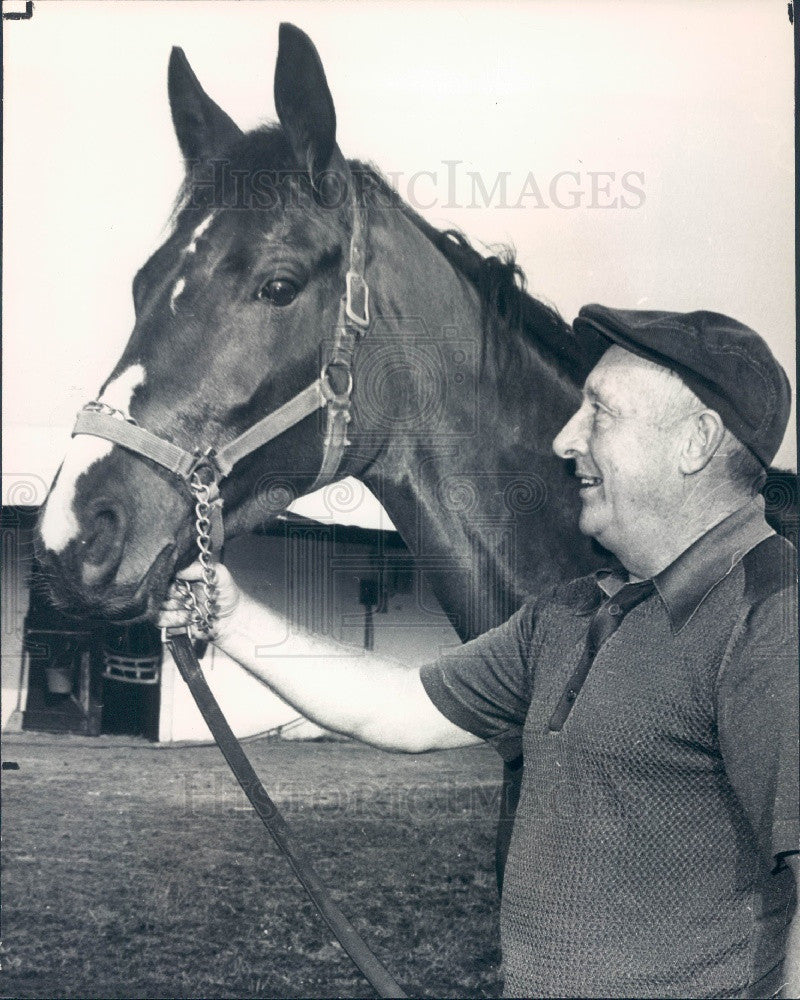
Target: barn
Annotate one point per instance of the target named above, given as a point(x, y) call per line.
point(341, 573)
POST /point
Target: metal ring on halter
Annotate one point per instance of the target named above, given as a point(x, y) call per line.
point(205, 460)
point(327, 389)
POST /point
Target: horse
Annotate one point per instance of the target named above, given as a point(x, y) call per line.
point(460, 379)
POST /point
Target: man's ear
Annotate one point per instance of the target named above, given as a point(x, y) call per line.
point(704, 435)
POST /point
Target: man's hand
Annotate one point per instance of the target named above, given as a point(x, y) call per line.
point(229, 600)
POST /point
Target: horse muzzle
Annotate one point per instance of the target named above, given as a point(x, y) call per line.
point(82, 581)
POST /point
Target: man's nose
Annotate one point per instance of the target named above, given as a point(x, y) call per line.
point(571, 439)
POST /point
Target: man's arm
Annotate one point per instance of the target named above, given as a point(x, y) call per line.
point(758, 729)
point(791, 963)
point(374, 700)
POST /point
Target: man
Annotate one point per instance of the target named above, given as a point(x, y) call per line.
point(656, 835)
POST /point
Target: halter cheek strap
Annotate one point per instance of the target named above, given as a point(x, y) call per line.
point(208, 466)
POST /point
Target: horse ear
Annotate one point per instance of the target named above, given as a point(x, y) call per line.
point(202, 127)
point(304, 104)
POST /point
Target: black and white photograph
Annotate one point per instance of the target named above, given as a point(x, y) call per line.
point(399, 499)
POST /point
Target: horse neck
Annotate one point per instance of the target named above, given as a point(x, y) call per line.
point(471, 484)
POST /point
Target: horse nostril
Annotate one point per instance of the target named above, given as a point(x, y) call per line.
point(102, 542)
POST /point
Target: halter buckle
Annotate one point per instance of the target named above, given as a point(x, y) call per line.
point(170, 631)
point(357, 288)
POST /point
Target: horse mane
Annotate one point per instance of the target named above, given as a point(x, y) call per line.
point(500, 282)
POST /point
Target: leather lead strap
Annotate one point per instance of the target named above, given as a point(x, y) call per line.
point(100, 420)
point(378, 977)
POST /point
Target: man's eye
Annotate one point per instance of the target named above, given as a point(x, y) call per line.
point(279, 291)
point(598, 410)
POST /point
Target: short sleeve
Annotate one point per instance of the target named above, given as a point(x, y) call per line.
point(759, 730)
point(485, 685)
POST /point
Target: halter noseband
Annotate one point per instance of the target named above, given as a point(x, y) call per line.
point(205, 468)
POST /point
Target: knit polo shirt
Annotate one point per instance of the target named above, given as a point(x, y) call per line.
point(647, 853)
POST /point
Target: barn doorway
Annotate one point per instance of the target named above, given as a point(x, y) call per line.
point(131, 657)
point(87, 677)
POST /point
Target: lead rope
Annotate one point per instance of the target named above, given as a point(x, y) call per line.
point(368, 964)
point(101, 420)
point(203, 619)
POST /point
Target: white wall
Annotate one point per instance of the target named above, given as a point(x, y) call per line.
point(694, 94)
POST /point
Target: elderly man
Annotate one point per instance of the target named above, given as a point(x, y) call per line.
point(656, 837)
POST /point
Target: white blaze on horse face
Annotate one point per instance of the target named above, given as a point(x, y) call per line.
point(180, 284)
point(59, 524)
point(192, 248)
point(119, 393)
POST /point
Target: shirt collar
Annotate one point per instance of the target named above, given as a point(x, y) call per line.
point(686, 582)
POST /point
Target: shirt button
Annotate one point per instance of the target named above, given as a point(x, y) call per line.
point(614, 609)
point(572, 695)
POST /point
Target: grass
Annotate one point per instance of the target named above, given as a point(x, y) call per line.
point(136, 871)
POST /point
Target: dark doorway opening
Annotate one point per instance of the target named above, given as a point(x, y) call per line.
point(131, 680)
point(89, 677)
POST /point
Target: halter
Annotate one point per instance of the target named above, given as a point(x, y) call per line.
point(203, 469)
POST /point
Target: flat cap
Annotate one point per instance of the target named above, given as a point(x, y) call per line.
point(725, 364)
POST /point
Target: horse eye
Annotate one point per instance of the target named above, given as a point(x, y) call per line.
point(279, 292)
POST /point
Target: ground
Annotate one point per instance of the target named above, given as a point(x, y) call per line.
point(132, 870)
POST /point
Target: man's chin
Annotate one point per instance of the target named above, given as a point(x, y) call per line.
point(589, 524)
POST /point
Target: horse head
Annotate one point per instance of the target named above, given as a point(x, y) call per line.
point(234, 314)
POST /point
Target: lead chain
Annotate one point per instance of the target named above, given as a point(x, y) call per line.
point(203, 616)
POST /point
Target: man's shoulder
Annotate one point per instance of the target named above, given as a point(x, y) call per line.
point(770, 594)
point(770, 571)
point(579, 594)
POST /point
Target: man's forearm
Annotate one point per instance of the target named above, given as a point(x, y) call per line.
point(373, 700)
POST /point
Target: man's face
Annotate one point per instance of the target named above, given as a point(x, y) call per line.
point(626, 444)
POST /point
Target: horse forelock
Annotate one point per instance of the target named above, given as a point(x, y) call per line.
point(257, 171)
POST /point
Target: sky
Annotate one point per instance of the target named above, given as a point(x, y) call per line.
point(637, 153)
